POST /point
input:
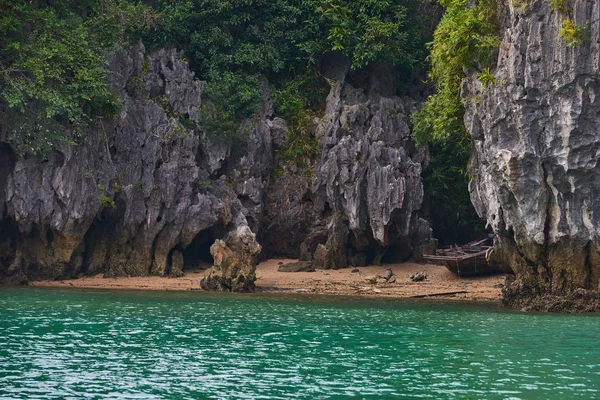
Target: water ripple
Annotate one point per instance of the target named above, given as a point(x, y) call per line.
point(78, 344)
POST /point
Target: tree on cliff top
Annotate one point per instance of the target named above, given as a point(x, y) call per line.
point(231, 43)
point(52, 72)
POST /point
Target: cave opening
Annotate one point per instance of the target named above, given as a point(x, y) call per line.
point(447, 202)
point(399, 252)
point(102, 227)
point(197, 254)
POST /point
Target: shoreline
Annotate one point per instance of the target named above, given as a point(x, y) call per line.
point(440, 284)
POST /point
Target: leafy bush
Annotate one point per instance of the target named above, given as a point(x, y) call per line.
point(572, 33)
point(52, 71)
point(230, 44)
point(560, 6)
point(463, 40)
point(465, 37)
point(298, 101)
point(106, 202)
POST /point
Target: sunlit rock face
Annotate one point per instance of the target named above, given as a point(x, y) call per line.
point(536, 135)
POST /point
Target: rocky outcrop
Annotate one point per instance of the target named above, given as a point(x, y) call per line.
point(152, 192)
point(147, 193)
point(234, 262)
point(300, 266)
point(536, 150)
point(367, 184)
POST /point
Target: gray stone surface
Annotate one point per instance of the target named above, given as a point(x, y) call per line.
point(536, 150)
point(234, 266)
point(368, 179)
point(151, 193)
point(134, 198)
point(300, 266)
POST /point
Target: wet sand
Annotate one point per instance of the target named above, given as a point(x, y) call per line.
point(328, 282)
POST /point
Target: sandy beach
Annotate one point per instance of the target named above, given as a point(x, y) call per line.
point(440, 282)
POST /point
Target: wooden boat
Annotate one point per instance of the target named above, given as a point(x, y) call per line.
point(467, 260)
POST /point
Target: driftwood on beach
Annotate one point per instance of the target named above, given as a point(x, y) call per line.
point(421, 296)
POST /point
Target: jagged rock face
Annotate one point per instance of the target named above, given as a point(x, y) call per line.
point(147, 193)
point(234, 262)
point(368, 179)
point(151, 193)
point(536, 149)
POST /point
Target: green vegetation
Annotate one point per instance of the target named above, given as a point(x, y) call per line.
point(52, 72)
point(560, 6)
point(106, 202)
point(231, 44)
point(52, 66)
point(486, 77)
point(298, 101)
point(571, 33)
point(206, 185)
point(463, 41)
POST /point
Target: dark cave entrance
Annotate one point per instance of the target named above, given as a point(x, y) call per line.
point(102, 227)
point(197, 254)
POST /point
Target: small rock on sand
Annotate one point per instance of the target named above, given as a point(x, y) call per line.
point(387, 274)
point(418, 277)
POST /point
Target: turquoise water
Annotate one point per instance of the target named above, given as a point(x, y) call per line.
point(103, 344)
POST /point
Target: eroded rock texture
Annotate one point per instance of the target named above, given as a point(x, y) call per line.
point(234, 262)
point(147, 193)
point(151, 193)
point(367, 183)
point(536, 135)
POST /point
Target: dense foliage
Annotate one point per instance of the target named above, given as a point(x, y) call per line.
point(463, 41)
point(52, 66)
point(52, 71)
point(231, 43)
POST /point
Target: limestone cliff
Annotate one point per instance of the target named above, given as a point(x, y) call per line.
point(361, 203)
point(147, 193)
point(151, 193)
point(535, 155)
point(368, 178)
